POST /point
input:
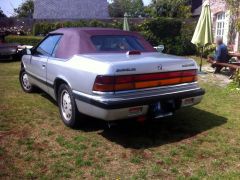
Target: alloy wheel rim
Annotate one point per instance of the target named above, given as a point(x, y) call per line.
point(25, 82)
point(66, 105)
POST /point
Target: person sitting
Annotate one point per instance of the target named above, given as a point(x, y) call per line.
point(221, 55)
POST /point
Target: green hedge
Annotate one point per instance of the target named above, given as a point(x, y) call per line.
point(44, 28)
point(24, 40)
point(159, 29)
point(172, 33)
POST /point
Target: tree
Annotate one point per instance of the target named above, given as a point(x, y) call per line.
point(2, 13)
point(116, 8)
point(134, 8)
point(172, 8)
point(137, 8)
point(25, 9)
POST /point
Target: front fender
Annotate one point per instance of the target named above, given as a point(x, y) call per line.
point(25, 61)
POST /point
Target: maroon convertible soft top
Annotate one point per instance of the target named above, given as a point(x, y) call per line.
point(77, 40)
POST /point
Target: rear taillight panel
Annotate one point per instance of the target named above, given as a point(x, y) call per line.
point(140, 81)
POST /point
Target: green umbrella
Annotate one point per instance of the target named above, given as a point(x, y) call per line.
point(125, 23)
point(203, 35)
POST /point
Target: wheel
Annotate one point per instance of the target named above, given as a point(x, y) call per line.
point(67, 106)
point(24, 81)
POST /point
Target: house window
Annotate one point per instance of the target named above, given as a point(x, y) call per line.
point(220, 24)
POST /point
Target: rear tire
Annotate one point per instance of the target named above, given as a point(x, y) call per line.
point(67, 106)
point(24, 81)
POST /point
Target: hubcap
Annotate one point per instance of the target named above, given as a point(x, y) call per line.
point(66, 105)
point(25, 82)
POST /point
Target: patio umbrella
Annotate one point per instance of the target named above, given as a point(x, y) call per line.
point(203, 35)
point(125, 23)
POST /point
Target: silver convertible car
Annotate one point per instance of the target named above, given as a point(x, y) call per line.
point(109, 74)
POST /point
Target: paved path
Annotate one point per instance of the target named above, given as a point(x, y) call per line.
point(217, 79)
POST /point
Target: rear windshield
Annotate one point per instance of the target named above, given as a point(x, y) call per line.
point(116, 43)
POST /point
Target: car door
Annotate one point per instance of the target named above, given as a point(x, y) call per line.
point(38, 63)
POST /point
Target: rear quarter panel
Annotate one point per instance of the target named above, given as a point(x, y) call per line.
point(78, 72)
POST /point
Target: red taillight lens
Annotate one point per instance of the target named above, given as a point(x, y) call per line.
point(124, 79)
point(104, 83)
point(104, 80)
point(189, 73)
point(131, 82)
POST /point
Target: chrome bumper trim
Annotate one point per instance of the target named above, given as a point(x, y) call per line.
point(135, 99)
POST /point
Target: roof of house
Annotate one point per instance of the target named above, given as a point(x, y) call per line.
point(70, 9)
point(196, 4)
point(196, 7)
point(197, 11)
point(78, 40)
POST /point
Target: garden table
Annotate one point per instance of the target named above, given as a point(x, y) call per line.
point(235, 54)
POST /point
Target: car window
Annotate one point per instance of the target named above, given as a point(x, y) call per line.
point(116, 43)
point(48, 46)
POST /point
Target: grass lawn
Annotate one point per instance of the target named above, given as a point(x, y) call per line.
point(197, 142)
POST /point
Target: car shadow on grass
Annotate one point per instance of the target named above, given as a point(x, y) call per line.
point(184, 124)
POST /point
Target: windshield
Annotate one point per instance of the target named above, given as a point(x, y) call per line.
point(116, 43)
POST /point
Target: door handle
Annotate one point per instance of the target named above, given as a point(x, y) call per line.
point(43, 66)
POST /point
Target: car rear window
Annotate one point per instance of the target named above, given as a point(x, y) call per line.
point(116, 43)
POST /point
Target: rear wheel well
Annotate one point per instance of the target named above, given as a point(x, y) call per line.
point(57, 84)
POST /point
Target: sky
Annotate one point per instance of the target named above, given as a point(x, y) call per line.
point(8, 5)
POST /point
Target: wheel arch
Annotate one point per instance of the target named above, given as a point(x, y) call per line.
point(23, 66)
point(57, 82)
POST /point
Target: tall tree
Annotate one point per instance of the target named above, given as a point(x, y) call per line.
point(137, 8)
point(2, 13)
point(116, 8)
point(25, 9)
point(172, 8)
point(134, 8)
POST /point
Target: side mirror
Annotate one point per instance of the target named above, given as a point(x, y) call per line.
point(28, 51)
point(25, 50)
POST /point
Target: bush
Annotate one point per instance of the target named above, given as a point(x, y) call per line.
point(158, 30)
point(185, 44)
point(172, 33)
point(237, 77)
point(208, 50)
point(44, 28)
point(24, 40)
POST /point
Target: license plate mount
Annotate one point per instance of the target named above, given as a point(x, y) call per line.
point(157, 111)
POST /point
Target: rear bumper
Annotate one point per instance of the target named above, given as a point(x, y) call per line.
point(117, 106)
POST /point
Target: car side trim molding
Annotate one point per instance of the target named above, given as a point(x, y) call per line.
point(40, 80)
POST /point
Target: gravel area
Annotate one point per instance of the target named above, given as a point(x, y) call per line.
point(207, 75)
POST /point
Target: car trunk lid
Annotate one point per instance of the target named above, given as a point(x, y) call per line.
point(141, 71)
point(124, 64)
